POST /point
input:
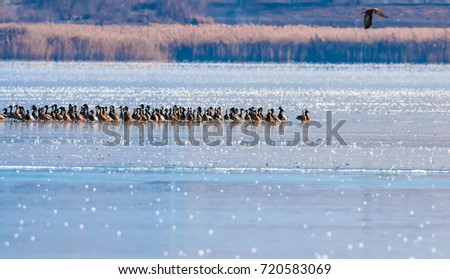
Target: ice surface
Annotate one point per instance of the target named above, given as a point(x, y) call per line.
point(383, 194)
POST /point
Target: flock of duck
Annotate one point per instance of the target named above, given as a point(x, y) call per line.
point(143, 113)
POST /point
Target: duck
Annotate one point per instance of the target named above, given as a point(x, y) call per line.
point(112, 113)
point(10, 113)
point(34, 112)
point(190, 117)
point(281, 115)
point(226, 116)
point(218, 113)
point(66, 116)
point(206, 116)
point(304, 117)
point(125, 114)
point(247, 116)
point(274, 116)
point(29, 117)
point(54, 111)
point(136, 115)
point(57, 114)
point(269, 117)
point(91, 116)
point(254, 115)
point(301, 117)
point(99, 114)
point(4, 115)
point(308, 117)
point(235, 117)
point(16, 115)
point(160, 114)
point(43, 116)
point(78, 117)
point(154, 116)
point(261, 113)
point(368, 14)
point(104, 111)
point(20, 114)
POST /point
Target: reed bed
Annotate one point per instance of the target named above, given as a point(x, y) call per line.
point(216, 42)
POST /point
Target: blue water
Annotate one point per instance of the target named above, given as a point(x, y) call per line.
point(384, 194)
point(226, 214)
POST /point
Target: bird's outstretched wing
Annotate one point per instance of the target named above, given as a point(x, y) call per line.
point(367, 19)
point(379, 12)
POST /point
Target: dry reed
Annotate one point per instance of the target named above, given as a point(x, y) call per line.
point(216, 42)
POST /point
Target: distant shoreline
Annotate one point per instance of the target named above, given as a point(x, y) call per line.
point(223, 43)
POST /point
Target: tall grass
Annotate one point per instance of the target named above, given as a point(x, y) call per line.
point(215, 42)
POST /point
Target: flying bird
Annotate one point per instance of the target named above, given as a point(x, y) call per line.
point(368, 16)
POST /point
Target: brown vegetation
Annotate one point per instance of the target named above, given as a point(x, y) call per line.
point(214, 42)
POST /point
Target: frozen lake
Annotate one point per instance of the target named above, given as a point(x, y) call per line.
point(383, 194)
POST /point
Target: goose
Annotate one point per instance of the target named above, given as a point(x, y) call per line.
point(368, 16)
